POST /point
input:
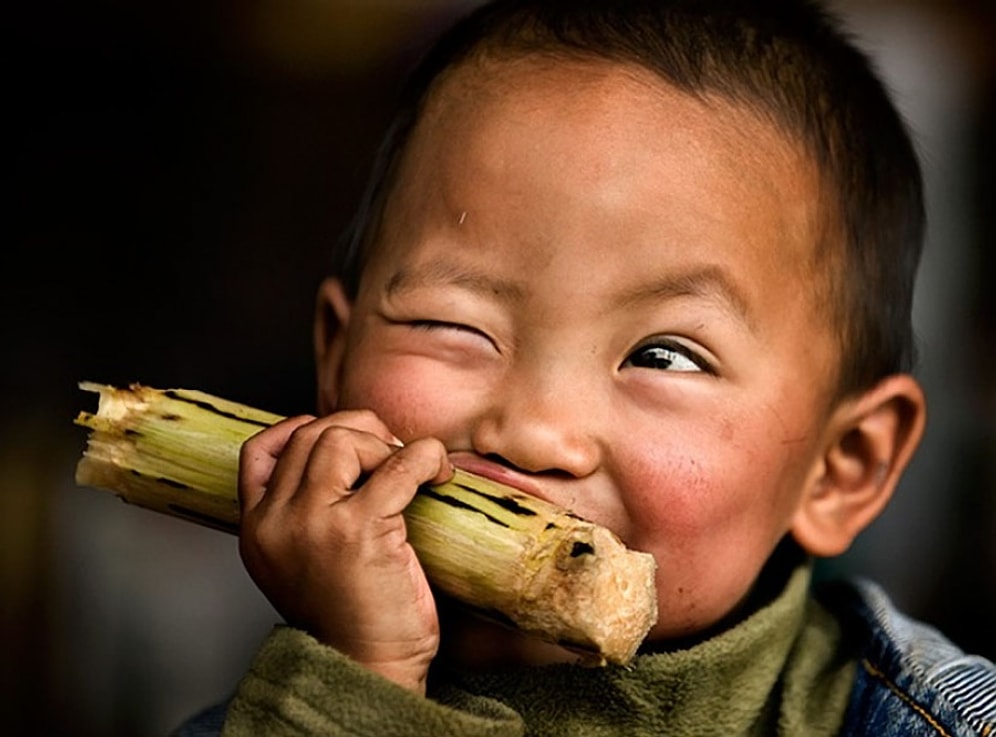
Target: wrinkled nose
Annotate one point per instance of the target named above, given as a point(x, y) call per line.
point(540, 425)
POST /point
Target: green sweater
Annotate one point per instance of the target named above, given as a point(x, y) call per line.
point(780, 671)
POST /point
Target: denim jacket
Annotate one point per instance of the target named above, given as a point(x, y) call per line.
point(911, 680)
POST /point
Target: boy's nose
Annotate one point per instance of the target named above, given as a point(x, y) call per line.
point(540, 427)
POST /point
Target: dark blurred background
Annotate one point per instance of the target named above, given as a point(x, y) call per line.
point(177, 175)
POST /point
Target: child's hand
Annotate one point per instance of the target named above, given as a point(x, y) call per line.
point(323, 537)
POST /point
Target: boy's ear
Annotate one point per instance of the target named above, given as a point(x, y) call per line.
point(871, 438)
point(332, 310)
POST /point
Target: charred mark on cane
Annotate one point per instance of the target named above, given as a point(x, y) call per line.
point(161, 480)
point(430, 492)
point(505, 502)
point(171, 417)
point(204, 519)
point(579, 549)
point(129, 433)
point(172, 394)
point(550, 526)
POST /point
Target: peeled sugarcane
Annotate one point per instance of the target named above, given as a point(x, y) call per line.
point(507, 554)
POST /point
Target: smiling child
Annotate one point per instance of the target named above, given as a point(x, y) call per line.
point(652, 262)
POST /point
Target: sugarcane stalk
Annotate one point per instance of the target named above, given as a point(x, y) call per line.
point(507, 554)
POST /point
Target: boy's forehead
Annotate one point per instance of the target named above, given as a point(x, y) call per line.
point(586, 118)
point(504, 91)
point(596, 130)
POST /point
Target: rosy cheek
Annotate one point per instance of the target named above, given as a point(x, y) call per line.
point(681, 497)
point(667, 517)
point(407, 397)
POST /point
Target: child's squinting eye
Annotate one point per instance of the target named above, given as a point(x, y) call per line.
point(430, 325)
point(666, 356)
point(439, 325)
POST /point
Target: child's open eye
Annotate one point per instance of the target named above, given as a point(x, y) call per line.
point(666, 356)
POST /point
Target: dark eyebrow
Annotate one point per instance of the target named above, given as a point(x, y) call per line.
point(443, 273)
point(711, 282)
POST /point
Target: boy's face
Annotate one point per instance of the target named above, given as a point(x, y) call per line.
point(599, 289)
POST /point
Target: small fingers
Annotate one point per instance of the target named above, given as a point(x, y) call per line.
point(329, 464)
point(301, 466)
point(258, 457)
point(307, 454)
point(271, 462)
point(391, 486)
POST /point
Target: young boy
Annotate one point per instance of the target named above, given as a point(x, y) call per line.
point(651, 261)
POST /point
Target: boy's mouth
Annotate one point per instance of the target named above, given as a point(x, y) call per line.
point(559, 492)
point(497, 472)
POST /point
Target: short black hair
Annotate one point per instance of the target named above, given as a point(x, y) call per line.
point(790, 61)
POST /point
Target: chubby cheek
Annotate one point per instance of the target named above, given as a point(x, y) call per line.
point(711, 513)
point(407, 395)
